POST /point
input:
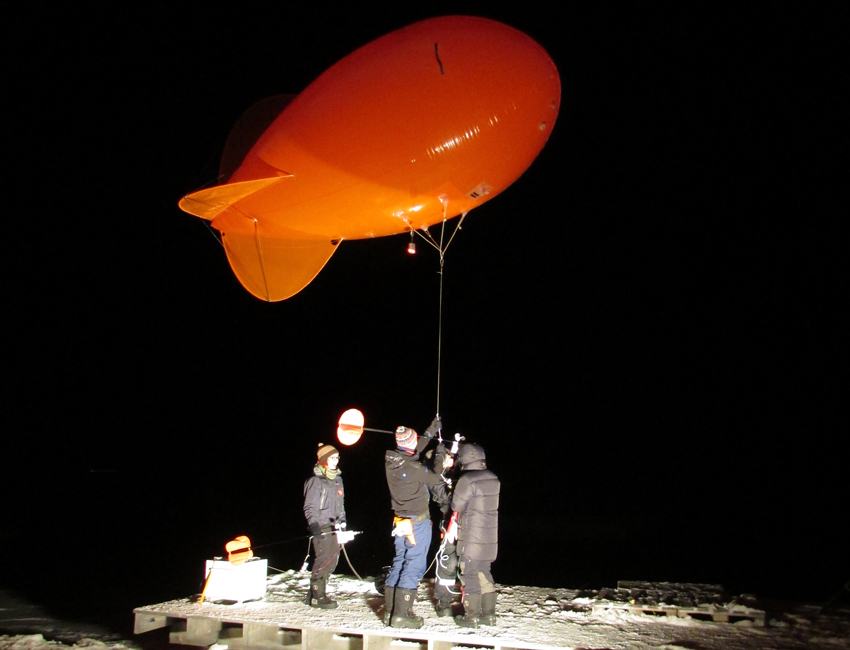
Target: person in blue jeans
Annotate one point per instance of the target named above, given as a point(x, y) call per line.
point(412, 484)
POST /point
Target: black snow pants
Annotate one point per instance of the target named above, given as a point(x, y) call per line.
point(475, 576)
point(327, 551)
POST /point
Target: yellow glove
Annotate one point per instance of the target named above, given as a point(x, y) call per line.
point(404, 527)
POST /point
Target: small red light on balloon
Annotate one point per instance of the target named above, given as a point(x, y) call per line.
point(411, 249)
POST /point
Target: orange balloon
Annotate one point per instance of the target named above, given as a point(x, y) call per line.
point(418, 126)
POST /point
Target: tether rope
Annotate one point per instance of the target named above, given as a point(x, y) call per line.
point(424, 234)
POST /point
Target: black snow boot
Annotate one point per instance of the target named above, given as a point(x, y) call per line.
point(471, 611)
point(317, 595)
point(403, 615)
point(488, 608)
point(389, 596)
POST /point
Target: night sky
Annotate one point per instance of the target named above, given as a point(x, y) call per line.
point(645, 332)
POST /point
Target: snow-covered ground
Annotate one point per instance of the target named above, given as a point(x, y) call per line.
point(38, 642)
point(30, 627)
point(562, 618)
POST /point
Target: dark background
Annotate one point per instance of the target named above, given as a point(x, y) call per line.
point(646, 332)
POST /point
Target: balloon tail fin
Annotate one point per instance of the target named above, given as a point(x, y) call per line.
point(275, 269)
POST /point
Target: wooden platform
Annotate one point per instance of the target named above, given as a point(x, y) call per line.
point(241, 635)
point(281, 621)
point(529, 618)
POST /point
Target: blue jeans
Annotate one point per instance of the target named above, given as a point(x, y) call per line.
point(410, 561)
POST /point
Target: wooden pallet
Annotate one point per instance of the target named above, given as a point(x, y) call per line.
point(707, 613)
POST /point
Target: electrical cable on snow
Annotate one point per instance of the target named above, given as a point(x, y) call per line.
point(345, 553)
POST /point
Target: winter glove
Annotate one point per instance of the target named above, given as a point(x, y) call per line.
point(434, 428)
point(440, 452)
point(315, 529)
point(404, 527)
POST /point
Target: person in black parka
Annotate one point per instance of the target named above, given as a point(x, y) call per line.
point(475, 502)
point(324, 509)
